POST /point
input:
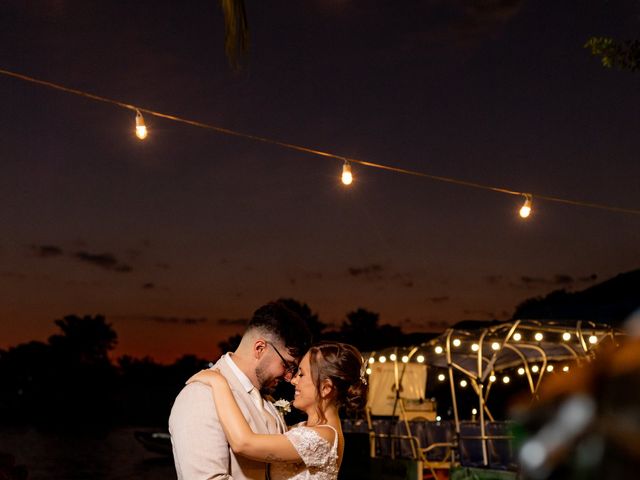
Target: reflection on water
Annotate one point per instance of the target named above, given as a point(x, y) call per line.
point(113, 454)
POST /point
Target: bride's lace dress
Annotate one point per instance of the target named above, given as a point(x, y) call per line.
point(319, 457)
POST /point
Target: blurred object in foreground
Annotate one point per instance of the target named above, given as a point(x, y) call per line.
point(588, 426)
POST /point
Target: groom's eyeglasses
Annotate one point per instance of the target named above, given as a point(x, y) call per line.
point(290, 368)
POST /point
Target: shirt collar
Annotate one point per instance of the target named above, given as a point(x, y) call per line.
point(244, 380)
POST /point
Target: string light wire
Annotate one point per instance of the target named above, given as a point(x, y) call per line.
point(312, 151)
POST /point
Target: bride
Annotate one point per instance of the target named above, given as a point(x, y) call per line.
point(331, 375)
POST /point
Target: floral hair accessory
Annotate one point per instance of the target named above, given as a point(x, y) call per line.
point(283, 406)
point(363, 376)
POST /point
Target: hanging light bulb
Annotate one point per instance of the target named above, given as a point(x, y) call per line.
point(441, 377)
point(347, 176)
point(525, 210)
point(405, 359)
point(393, 357)
point(141, 128)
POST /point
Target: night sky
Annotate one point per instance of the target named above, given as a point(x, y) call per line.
point(179, 238)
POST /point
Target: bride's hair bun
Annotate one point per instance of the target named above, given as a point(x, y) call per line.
point(343, 365)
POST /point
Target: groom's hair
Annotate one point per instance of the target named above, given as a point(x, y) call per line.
point(279, 321)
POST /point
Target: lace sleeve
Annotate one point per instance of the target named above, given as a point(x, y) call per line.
point(312, 448)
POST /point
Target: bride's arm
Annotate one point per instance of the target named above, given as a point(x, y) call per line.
point(243, 441)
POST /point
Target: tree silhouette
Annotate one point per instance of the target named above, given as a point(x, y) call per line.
point(230, 344)
point(302, 309)
point(361, 329)
point(87, 340)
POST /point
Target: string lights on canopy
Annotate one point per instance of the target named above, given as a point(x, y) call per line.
point(141, 132)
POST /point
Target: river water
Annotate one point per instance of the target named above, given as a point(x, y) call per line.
point(109, 455)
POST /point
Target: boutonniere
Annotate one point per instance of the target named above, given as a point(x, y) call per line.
point(283, 406)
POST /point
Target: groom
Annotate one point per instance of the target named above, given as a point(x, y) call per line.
point(271, 347)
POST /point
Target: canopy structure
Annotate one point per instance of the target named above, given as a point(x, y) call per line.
point(480, 357)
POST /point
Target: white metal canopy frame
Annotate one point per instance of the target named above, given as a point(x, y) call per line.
point(483, 356)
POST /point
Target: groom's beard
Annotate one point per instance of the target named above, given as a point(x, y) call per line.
point(267, 384)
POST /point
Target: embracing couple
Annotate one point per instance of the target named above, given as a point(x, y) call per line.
point(222, 427)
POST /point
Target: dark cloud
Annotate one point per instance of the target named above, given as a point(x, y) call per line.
point(563, 279)
point(405, 279)
point(533, 281)
point(441, 299)
point(166, 320)
point(370, 272)
point(493, 279)
point(557, 280)
point(46, 251)
point(106, 261)
point(176, 320)
point(232, 321)
point(481, 18)
point(591, 278)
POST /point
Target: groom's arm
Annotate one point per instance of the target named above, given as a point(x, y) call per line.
point(200, 448)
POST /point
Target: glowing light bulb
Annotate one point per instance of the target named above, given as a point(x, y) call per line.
point(549, 368)
point(495, 346)
point(521, 371)
point(593, 339)
point(475, 347)
point(506, 379)
point(368, 371)
point(347, 176)
point(566, 336)
point(420, 358)
point(141, 128)
point(474, 411)
point(438, 418)
point(393, 357)
point(565, 368)
point(538, 336)
point(492, 378)
point(525, 210)
point(535, 369)
point(372, 360)
point(463, 383)
point(442, 377)
point(456, 342)
point(382, 359)
point(405, 359)
point(517, 336)
point(438, 350)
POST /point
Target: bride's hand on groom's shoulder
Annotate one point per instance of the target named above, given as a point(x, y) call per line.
point(208, 377)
